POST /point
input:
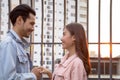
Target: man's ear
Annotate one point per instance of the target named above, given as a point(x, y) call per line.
point(19, 20)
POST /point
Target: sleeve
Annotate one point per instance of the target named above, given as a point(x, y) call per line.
point(8, 64)
point(77, 71)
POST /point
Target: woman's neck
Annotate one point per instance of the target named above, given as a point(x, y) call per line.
point(71, 52)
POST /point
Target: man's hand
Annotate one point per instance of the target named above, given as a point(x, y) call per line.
point(36, 71)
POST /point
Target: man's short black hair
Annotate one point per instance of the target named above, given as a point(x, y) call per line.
point(21, 10)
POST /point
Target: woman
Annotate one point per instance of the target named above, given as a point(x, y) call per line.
point(75, 65)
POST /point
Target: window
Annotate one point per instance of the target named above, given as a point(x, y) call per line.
point(50, 3)
point(73, 6)
point(48, 7)
point(1, 32)
point(50, 11)
point(36, 34)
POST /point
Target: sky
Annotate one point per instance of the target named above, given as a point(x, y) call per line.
point(104, 26)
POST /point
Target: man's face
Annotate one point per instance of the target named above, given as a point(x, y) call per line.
point(28, 26)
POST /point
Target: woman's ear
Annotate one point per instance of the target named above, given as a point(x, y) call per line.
point(73, 38)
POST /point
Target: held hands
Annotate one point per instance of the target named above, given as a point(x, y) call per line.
point(37, 72)
point(46, 71)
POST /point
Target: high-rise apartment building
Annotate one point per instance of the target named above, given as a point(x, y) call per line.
point(52, 16)
point(4, 11)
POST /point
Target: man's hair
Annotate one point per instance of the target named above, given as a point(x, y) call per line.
point(21, 10)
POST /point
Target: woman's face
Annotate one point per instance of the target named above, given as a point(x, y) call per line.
point(67, 40)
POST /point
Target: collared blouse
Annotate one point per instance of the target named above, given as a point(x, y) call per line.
point(70, 69)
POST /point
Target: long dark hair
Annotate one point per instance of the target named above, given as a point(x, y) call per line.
point(81, 44)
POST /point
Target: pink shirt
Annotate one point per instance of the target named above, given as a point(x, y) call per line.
point(70, 69)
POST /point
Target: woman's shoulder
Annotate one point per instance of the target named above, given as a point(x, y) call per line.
point(77, 61)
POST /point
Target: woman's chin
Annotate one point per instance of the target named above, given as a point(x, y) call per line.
point(63, 47)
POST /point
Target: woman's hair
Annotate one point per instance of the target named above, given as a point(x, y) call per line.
point(21, 10)
point(81, 44)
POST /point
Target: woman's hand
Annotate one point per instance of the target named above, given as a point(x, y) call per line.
point(46, 71)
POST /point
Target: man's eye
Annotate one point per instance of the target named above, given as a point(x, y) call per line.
point(32, 24)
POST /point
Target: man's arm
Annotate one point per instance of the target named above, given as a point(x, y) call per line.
point(8, 64)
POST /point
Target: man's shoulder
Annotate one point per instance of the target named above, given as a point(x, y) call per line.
point(6, 40)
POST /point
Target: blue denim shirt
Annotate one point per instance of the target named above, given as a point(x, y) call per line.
point(14, 60)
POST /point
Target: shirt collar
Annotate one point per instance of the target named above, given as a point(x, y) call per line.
point(66, 61)
point(15, 36)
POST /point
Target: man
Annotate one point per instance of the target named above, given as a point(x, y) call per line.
point(14, 59)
